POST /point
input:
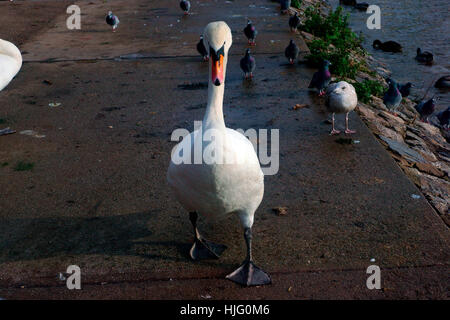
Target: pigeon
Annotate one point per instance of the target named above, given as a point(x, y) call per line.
point(112, 20)
point(443, 82)
point(425, 56)
point(426, 109)
point(321, 78)
point(185, 5)
point(202, 50)
point(285, 5)
point(388, 46)
point(250, 32)
point(362, 6)
point(248, 64)
point(405, 89)
point(291, 52)
point(294, 22)
point(444, 118)
point(392, 98)
point(341, 98)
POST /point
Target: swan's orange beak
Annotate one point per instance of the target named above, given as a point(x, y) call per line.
point(217, 70)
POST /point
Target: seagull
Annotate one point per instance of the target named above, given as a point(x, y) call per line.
point(202, 50)
point(248, 64)
point(321, 78)
point(294, 22)
point(185, 5)
point(112, 20)
point(291, 52)
point(250, 32)
point(341, 98)
point(392, 98)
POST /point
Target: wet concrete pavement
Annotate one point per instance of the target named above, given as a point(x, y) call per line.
point(97, 196)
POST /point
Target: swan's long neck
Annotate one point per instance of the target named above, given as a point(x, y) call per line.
point(214, 109)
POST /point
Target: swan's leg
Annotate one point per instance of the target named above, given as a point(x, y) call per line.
point(333, 130)
point(347, 130)
point(202, 248)
point(248, 274)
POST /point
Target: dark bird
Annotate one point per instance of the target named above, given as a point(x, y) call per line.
point(348, 2)
point(405, 89)
point(425, 56)
point(444, 118)
point(185, 5)
point(248, 64)
point(426, 109)
point(291, 52)
point(294, 22)
point(112, 20)
point(392, 98)
point(202, 50)
point(285, 5)
point(361, 6)
point(388, 46)
point(250, 32)
point(321, 78)
point(443, 82)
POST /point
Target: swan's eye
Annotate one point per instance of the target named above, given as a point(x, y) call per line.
point(215, 55)
point(343, 88)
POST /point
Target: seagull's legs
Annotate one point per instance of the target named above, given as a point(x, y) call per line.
point(202, 248)
point(333, 130)
point(347, 130)
point(248, 274)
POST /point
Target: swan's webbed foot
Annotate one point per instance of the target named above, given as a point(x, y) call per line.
point(204, 249)
point(248, 274)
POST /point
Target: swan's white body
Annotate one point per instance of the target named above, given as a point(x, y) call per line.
point(218, 189)
point(341, 97)
point(10, 62)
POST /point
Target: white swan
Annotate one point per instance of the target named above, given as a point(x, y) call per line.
point(341, 98)
point(10, 62)
point(215, 189)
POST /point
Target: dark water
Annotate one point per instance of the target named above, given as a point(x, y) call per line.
point(413, 24)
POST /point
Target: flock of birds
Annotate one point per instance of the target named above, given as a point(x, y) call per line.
point(396, 91)
point(215, 190)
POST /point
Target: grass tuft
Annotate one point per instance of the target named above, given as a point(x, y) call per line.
point(23, 166)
